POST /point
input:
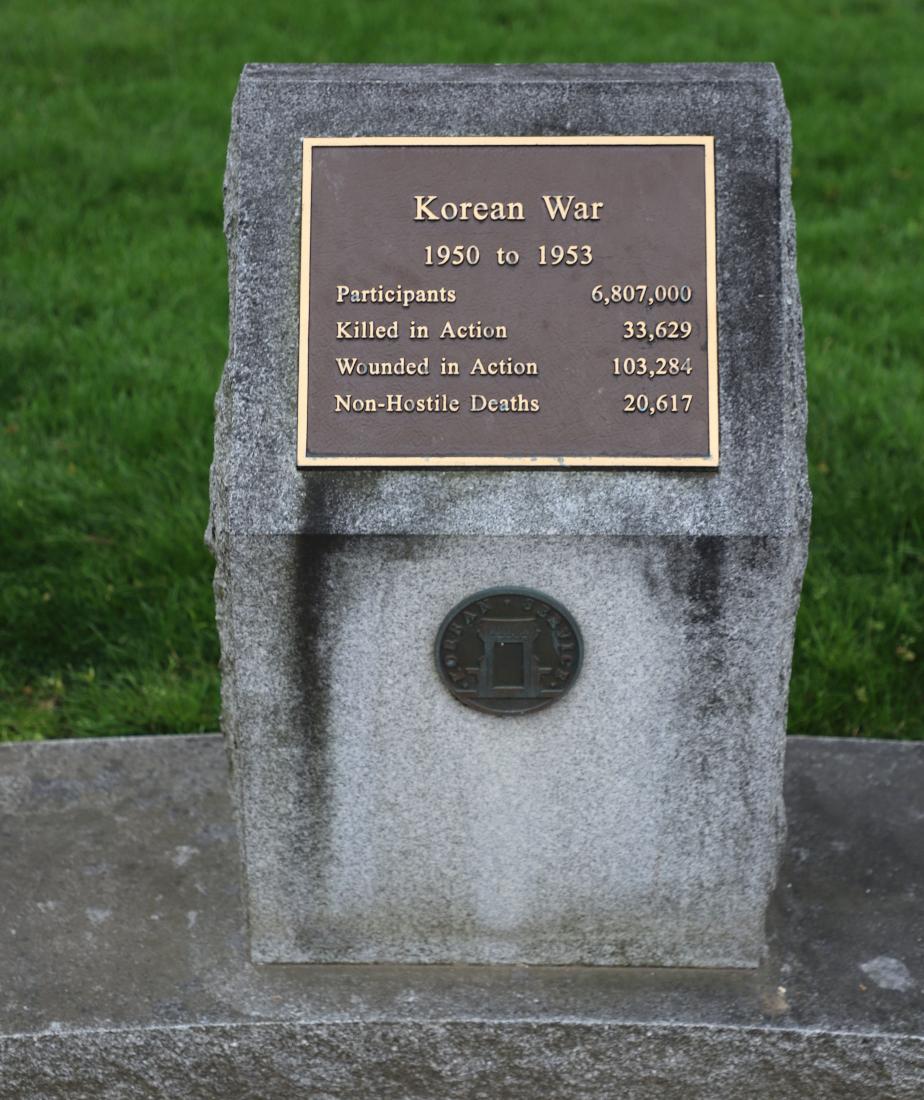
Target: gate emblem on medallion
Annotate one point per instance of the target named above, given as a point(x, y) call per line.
point(508, 651)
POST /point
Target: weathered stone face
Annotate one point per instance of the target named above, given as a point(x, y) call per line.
point(637, 821)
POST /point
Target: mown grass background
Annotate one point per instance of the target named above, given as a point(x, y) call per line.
point(113, 312)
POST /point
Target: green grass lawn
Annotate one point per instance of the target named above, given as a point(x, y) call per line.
point(114, 312)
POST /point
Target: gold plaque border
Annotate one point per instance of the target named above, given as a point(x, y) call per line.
point(711, 460)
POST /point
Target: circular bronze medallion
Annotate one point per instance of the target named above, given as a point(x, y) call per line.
point(508, 651)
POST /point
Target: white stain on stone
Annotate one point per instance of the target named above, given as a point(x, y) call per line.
point(888, 973)
point(191, 917)
point(47, 906)
point(182, 854)
point(98, 916)
point(775, 1003)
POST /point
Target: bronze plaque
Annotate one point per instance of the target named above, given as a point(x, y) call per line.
point(508, 651)
point(508, 302)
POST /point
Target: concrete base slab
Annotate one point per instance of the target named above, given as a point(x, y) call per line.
point(124, 972)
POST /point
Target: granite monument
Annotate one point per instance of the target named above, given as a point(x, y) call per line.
point(643, 468)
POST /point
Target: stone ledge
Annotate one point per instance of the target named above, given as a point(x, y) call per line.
point(124, 971)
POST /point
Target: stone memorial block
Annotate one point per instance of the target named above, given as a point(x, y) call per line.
point(510, 510)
